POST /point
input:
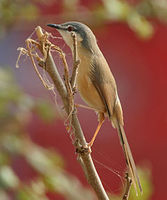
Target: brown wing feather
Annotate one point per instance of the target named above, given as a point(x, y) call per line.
point(104, 84)
point(106, 87)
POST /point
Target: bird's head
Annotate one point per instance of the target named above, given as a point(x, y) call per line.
point(84, 35)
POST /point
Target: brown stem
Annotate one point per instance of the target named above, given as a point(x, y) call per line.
point(128, 186)
point(76, 61)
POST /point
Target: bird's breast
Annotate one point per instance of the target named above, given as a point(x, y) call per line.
point(85, 86)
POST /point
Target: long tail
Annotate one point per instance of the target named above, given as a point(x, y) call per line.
point(129, 157)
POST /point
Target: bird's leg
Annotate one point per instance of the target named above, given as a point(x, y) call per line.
point(83, 106)
point(101, 120)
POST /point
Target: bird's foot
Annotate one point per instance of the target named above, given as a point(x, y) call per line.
point(83, 149)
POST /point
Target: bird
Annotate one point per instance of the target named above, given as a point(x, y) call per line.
point(97, 86)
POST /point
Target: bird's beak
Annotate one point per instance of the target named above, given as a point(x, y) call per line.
point(57, 26)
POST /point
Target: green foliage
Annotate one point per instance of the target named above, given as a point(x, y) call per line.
point(135, 16)
point(8, 179)
point(116, 10)
point(13, 11)
point(145, 177)
point(35, 191)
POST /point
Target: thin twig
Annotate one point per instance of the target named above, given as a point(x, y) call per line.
point(28, 42)
point(128, 186)
point(76, 61)
point(68, 121)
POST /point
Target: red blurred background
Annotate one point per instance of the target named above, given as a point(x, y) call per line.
point(139, 69)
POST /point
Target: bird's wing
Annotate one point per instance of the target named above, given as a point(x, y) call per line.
point(104, 83)
point(106, 87)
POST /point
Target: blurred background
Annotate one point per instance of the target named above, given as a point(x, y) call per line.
point(37, 158)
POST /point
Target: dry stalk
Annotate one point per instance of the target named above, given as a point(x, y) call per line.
point(128, 186)
point(76, 61)
point(70, 95)
point(30, 49)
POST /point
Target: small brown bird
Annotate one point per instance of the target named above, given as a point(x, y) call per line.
point(97, 85)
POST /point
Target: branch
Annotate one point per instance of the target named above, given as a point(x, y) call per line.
point(128, 186)
point(76, 61)
point(80, 144)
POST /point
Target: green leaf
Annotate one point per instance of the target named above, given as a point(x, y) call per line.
point(8, 179)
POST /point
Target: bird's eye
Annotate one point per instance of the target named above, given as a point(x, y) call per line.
point(70, 28)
